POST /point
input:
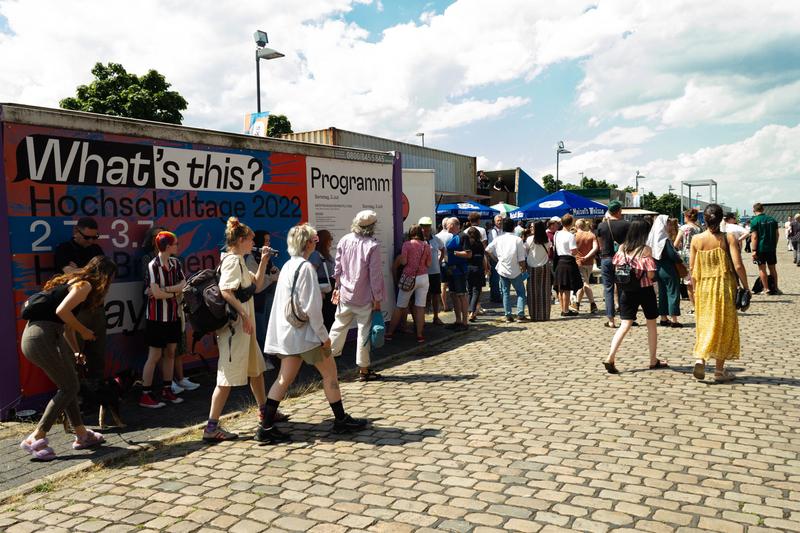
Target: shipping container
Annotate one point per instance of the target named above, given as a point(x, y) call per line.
point(130, 175)
point(455, 173)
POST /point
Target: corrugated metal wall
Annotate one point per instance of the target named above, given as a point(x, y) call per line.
point(454, 172)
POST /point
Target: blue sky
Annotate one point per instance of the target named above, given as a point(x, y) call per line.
point(679, 90)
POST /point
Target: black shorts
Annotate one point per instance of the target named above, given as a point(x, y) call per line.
point(445, 277)
point(457, 283)
point(630, 301)
point(159, 334)
point(766, 258)
point(434, 284)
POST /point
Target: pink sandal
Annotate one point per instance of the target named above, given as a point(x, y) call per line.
point(39, 449)
point(91, 440)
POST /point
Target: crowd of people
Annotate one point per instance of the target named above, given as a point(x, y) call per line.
point(302, 311)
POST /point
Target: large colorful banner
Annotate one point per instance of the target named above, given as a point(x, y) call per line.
point(128, 184)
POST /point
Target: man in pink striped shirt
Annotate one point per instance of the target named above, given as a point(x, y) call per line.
point(359, 288)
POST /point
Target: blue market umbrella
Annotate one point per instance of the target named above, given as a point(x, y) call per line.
point(465, 209)
point(559, 204)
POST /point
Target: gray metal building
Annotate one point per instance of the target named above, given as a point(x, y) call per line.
point(455, 173)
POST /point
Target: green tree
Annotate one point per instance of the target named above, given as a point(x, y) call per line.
point(648, 201)
point(549, 183)
point(278, 125)
point(114, 91)
point(668, 204)
point(591, 183)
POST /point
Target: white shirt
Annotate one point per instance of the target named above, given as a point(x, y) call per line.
point(510, 252)
point(537, 253)
point(282, 338)
point(482, 231)
point(565, 242)
point(495, 233)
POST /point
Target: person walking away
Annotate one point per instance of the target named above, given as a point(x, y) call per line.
point(435, 269)
point(509, 252)
point(567, 275)
point(794, 238)
point(786, 226)
point(360, 288)
point(732, 226)
point(72, 255)
point(241, 359)
point(539, 273)
point(587, 251)
point(477, 269)
point(444, 237)
point(323, 262)
point(495, 296)
point(308, 343)
point(764, 234)
point(716, 263)
point(611, 233)
point(49, 342)
point(669, 289)
point(458, 254)
point(163, 326)
point(415, 257)
point(635, 253)
point(683, 244)
point(475, 222)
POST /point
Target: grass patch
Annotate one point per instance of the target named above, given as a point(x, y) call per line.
point(44, 487)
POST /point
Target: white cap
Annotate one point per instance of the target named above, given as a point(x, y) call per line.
point(366, 218)
point(555, 219)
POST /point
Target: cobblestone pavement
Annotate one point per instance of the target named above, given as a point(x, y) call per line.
point(510, 428)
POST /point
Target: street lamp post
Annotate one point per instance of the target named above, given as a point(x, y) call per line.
point(639, 177)
point(560, 150)
point(421, 134)
point(262, 52)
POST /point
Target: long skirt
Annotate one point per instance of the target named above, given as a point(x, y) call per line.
point(539, 292)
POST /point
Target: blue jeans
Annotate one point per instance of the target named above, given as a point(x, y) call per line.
point(494, 283)
point(607, 270)
point(519, 288)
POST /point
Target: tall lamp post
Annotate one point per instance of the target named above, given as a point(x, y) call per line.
point(560, 150)
point(421, 134)
point(639, 177)
point(262, 52)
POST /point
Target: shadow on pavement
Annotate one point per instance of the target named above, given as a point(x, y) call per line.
point(427, 378)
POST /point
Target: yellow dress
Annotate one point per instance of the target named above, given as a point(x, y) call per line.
point(717, 330)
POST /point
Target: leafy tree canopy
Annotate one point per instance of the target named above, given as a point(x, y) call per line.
point(278, 125)
point(114, 91)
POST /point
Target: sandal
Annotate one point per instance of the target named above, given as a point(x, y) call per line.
point(659, 364)
point(420, 339)
point(219, 435)
point(699, 371)
point(723, 377)
point(91, 440)
point(39, 449)
point(610, 368)
point(610, 325)
point(388, 337)
point(369, 375)
point(437, 322)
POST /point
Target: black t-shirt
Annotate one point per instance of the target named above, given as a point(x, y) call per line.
point(71, 252)
point(476, 262)
point(619, 228)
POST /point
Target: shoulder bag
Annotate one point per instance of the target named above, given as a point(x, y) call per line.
point(326, 287)
point(741, 297)
point(408, 281)
point(295, 315)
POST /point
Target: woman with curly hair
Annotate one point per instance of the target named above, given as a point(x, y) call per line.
point(49, 342)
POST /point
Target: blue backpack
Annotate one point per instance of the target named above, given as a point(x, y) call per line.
point(377, 331)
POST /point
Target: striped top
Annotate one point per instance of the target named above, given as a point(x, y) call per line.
point(163, 276)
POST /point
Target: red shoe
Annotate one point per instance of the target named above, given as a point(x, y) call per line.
point(169, 396)
point(147, 400)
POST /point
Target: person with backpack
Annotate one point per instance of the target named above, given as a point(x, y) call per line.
point(240, 356)
point(634, 272)
point(296, 333)
point(49, 341)
point(415, 258)
point(163, 326)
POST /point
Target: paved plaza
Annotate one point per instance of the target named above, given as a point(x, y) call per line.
point(507, 428)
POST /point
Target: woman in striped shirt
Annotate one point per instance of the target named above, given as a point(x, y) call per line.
point(162, 319)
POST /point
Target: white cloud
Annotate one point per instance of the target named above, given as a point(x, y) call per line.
point(761, 167)
point(484, 163)
point(621, 136)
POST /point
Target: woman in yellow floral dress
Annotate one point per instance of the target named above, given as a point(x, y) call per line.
point(714, 279)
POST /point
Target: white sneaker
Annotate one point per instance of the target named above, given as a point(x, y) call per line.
point(176, 389)
point(185, 384)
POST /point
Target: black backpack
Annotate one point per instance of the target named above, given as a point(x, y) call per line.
point(626, 277)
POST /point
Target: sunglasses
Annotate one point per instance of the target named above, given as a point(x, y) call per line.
point(88, 237)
